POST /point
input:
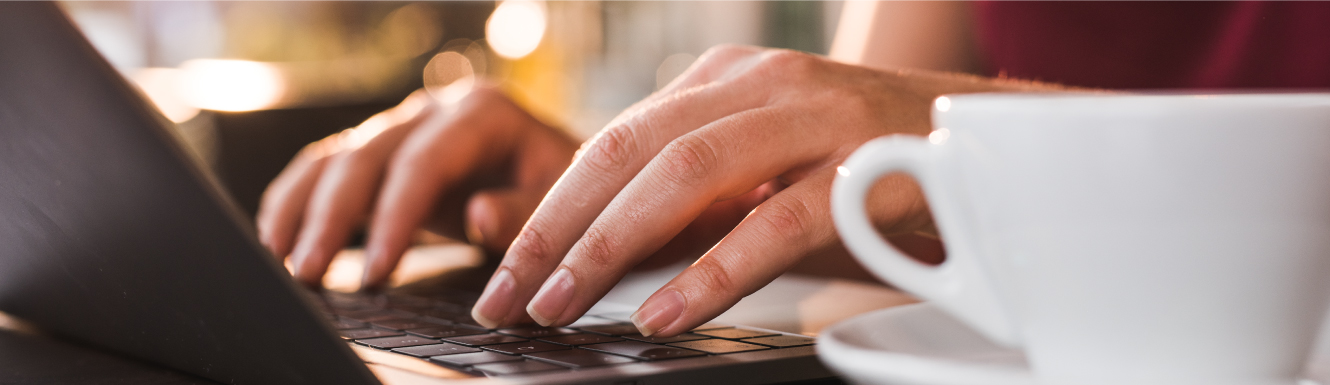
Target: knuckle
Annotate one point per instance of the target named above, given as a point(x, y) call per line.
point(532, 247)
point(597, 247)
point(688, 160)
point(715, 276)
point(611, 150)
point(789, 218)
point(786, 63)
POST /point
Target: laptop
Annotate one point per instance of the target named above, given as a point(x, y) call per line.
point(111, 236)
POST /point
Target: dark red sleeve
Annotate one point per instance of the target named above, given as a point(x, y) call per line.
point(1141, 45)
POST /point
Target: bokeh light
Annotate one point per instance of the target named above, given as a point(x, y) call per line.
point(449, 77)
point(516, 28)
point(230, 85)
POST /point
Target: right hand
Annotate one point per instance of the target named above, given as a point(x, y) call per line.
point(477, 168)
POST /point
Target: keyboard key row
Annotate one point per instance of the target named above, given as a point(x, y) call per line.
point(581, 339)
point(395, 342)
point(427, 351)
point(525, 347)
point(643, 350)
point(537, 331)
point(445, 331)
point(485, 339)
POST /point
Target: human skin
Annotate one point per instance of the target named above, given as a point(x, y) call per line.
point(474, 169)
point(741, 120)
point(732, 161)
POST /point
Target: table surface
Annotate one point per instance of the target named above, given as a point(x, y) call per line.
point(793, 303)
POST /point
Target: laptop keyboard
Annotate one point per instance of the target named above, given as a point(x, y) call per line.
point(442, 331)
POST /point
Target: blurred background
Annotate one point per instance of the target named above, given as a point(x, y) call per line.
point(248, 84)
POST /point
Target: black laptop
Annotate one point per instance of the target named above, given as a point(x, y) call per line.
point(111, 236)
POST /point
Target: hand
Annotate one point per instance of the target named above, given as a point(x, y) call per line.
point(478, 167)
point(754, 131)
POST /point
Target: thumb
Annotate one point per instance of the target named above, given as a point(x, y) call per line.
point(494, 217)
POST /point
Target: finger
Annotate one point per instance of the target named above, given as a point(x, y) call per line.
point(709, 227)
point(432, 159)
point(341, 197)
point(773, 238)
point(494, 217)
point(702, 167)
point(284, 201)
point(603, 167)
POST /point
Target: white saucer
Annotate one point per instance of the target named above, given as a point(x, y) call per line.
point(921, 345)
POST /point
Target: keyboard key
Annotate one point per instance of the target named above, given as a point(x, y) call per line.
point(612, 329)
point(355, 334)
point(407, 300)
point(718, 346)
point(414, 309)
point(448, 308)
point(525, 347)
point(426, 351)
point(782, 341)
point(403, 324)
point(395, 342)
point(515, 367)
point(343, 324)
point(666, 340)
point(736, 333)
point(579, 358)
point(643, 350)
point(439, 331)
point(712, 326)
point(373, 315)
point(468, 359)
point(581, 339)
point(485, 339)
point(537, 332)
point(453, 319)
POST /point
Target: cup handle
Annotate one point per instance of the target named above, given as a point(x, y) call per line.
point(959, 284)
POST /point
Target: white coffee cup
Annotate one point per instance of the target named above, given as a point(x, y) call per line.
point(1119, 238)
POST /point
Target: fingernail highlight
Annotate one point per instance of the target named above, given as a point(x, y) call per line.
point(658, 312)
point(553, 297)
point(497, 299)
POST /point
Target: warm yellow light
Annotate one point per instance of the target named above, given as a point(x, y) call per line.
point(159, 84)
point(230, 85)
point(516, 28)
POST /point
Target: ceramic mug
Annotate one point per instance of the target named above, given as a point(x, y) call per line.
point(1119, 238)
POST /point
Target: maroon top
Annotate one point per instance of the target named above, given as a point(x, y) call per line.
point(1158, 44)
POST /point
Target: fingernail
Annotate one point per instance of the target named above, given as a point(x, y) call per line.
point(497, 299)
point(658, 312)
point(553, 297)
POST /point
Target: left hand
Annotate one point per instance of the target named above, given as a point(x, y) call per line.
point(748, 130)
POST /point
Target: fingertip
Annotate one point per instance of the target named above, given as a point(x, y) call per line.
point(377, 269)
point(659, 312)
point(481, 219)
point(530, 311)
